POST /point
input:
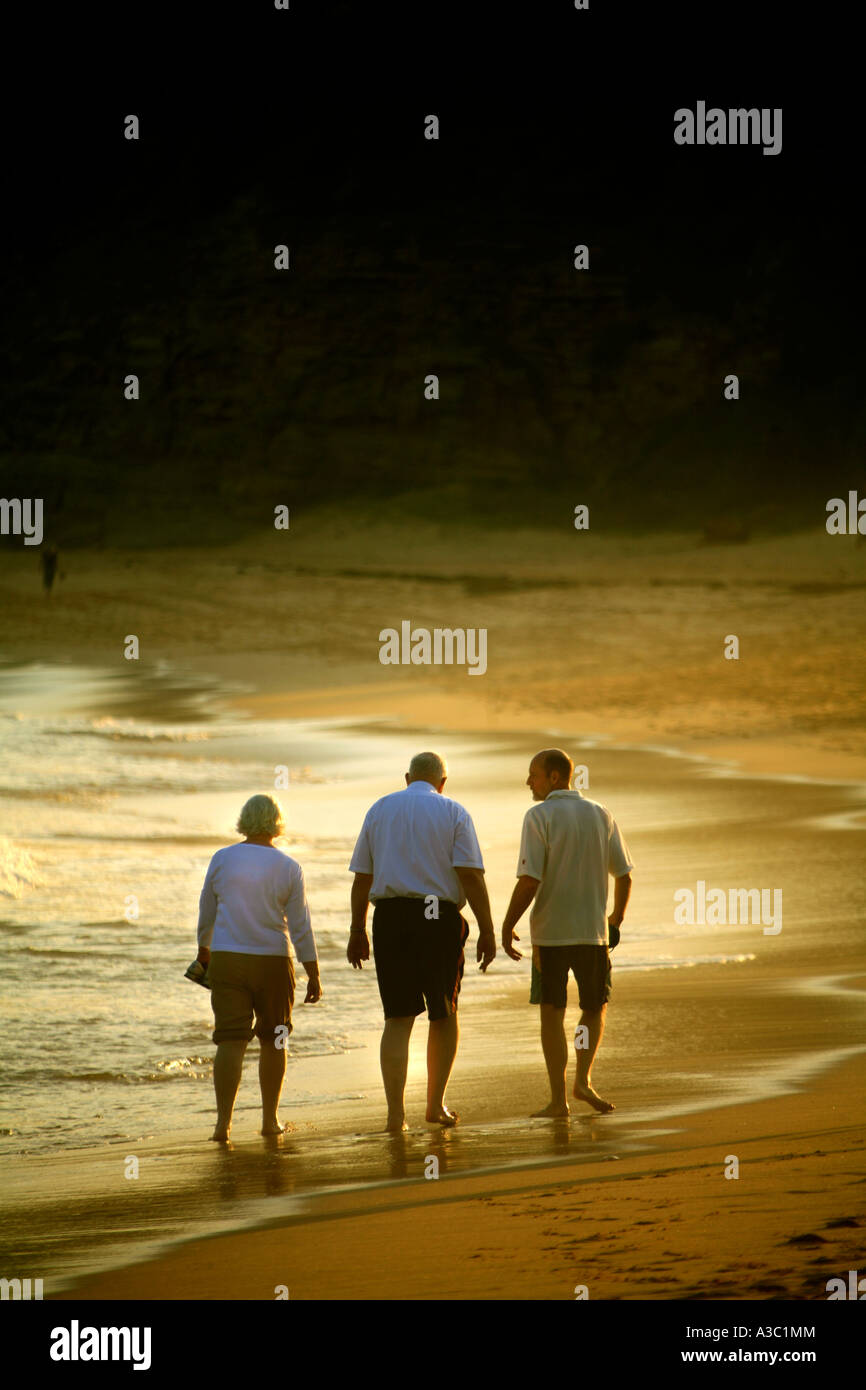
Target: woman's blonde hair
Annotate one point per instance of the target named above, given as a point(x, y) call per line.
point(262, 815)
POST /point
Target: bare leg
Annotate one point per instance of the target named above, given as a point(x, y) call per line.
point(227, 1068)
point(555, 1050)
point(394, 1059)
point(272, 1071)
point(583, 1090)
point(442, 1040)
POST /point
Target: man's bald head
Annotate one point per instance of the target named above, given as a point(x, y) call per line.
point(427, 767)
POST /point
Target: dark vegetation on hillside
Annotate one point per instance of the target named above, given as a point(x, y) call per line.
point(556, 386)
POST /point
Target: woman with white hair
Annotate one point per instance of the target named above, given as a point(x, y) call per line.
point(252, 901)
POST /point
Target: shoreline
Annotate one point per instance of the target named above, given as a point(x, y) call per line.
point(407, 711)
point(456, 1218)
point(193, 1192)
point(103, 692)
point(635, 631)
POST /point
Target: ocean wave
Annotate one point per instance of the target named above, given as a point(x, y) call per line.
point(122, 1078)
point(18, 872)
point(57, 953)
point(98, 837)
point(189, 1068)
point(683, 962)
point(117, 729)
point(121, 922)
point(109, 728)
point(91, 796)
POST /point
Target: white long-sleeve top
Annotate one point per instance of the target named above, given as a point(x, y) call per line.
point(252, 901)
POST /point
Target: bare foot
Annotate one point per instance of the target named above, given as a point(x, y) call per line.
point(221, 1135)
point(274, 1128)
point(443, 1116)
point(592, 1098)
point(397, 1125)
point(551, 1112)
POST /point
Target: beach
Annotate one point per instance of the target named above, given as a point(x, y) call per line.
point(725, 1039)
point(665, 1225)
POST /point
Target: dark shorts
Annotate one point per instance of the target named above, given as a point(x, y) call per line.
point(591, 968)
point(418, 961)
point(243, 985)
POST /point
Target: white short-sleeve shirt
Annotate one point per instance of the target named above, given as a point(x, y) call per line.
point(412, 841)
point(571, 844)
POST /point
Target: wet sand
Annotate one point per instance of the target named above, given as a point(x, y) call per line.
point(738, 1059)
point(624, 1226)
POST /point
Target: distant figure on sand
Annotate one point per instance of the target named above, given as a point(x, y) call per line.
point(253, 899)
point(48, 564)
point(568, 847)
point(418, 860)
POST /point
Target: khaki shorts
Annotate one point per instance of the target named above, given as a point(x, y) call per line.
point(242, 985)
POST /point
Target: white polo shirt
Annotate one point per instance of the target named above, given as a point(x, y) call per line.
point(253, 899)
point(412, 840)
point(571, 844)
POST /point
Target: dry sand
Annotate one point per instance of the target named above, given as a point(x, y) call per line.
point(596, 634)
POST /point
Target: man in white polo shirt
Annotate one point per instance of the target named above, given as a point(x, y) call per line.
point(568, 848)
point(418, 861)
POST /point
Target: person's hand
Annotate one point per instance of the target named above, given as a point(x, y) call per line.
point(314, 986)
point(612, 933)
point(486, 948)
point(507, 937)
point(203, 955)
point(358, 949)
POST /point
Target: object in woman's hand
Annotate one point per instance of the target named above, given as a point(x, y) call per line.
point(197, 973)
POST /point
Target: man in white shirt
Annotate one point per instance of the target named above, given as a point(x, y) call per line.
point(253, 899)
point(418, 861)
point(568, 848)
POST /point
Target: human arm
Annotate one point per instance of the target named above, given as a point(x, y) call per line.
point(314, 983)
point(473, 885)
point(525, 890)
point(619, 866)
point(621, 894)
point(531, 865)
point(301, 932)
point(358, 949)
point(468, 864)
point(207, 909)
